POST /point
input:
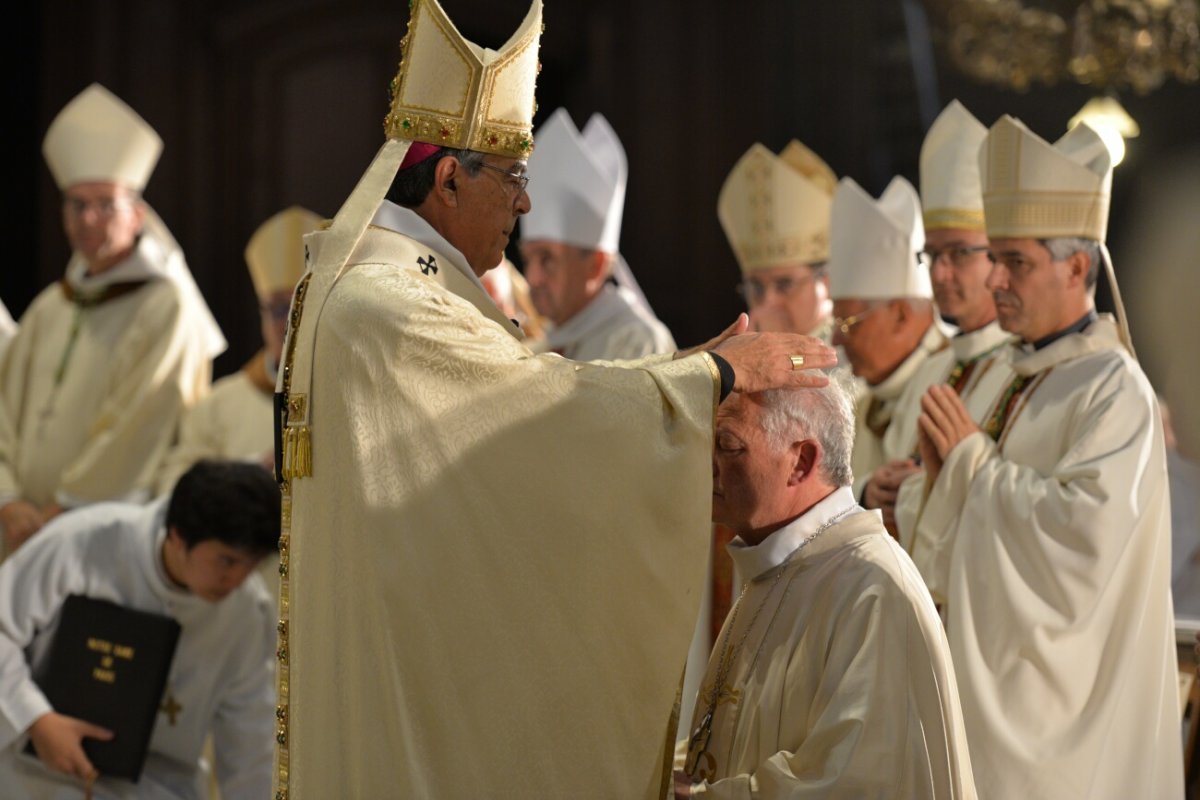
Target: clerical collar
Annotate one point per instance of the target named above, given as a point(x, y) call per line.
point(1077, 327)
point(753, 560)
point(147, 261)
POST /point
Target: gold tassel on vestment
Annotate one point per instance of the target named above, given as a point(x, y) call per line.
point(297, 452)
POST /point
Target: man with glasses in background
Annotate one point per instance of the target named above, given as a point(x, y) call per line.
point(884, 320)
point(956, 246)
point(106, 360)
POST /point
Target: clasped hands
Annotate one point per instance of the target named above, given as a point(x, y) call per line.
point(943, 423)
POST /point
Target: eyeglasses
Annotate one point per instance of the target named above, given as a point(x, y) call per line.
point(754, 290)
point(844, 324)
point(517, 181)
point(106, 208)
point(957, 256)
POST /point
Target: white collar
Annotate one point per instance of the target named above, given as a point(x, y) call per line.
point(968, 345)
point(409, 223)
point(603, 307)
point(753, 560)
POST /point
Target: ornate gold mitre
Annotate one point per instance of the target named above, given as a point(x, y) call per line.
point(448, 92)
point(453, 93)
point(775, 208)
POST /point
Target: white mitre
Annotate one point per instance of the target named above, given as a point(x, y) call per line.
point(577, 184)
point(98, 138)
point(875, 244)
point(275, 253)
point(775, 210)
point(950, 187)
point(1036, 190)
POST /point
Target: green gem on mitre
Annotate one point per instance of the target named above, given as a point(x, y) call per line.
point(525, 144)
point(406, 123)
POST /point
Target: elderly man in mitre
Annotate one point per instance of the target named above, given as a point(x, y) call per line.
point(460, 616)
point(107, 359)
point(884, 320)
point(832, 675)
point(578, 279)
point(775, 210)
point(1045, 522)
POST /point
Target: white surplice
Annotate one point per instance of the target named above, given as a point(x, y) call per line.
point(877, 405)
point(1051, 549)
point(221, 675)
point(841, 685)
point(235, 423)
point(611, 327)
point(965, 352)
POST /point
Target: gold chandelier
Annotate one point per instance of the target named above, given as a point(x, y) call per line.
point(1108, 44)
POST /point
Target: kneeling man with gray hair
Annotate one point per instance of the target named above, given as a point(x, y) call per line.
point(831, 676)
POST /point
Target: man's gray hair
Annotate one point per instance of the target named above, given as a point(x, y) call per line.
point(1064, 247)
point(411, 186)
point(825, 414)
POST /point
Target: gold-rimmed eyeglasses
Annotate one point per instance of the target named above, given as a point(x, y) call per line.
point(844, 324)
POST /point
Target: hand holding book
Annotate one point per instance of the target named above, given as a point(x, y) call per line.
point(58, 741)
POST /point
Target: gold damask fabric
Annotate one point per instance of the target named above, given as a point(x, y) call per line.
point(496, 564)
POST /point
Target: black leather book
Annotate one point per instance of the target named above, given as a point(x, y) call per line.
point(108, 665)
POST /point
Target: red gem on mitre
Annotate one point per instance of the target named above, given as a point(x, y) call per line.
point(444, 132)
point(493, 139)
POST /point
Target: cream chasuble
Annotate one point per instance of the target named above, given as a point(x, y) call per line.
point(91, 395)
point(842, 685)
point(220, 678)
point(233, 422)
point(955, 365)
point(1057, 581)
point(495, 566)
point(877, 405)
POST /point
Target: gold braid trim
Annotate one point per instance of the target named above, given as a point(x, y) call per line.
point(297, 461)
